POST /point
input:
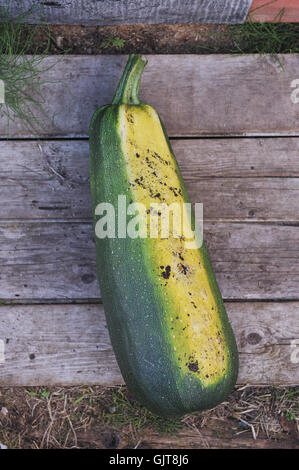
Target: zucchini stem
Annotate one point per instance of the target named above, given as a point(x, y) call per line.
point(128, 87)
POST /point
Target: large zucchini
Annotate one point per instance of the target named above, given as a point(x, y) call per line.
point(165, 315)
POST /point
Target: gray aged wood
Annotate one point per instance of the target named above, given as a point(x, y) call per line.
point(69, 344)
point(195, 95)
point(109, 12)
point(56, 261)
point(235, 179)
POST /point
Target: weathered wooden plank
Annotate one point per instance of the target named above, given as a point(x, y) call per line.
point(237, 157)
point(168, 11)
point(69, 344)
point(211, 439)
point(49, 180)
point(260, 199)
point(195, 94)
point(108, 12)
point(286, 11)
point(56, 261)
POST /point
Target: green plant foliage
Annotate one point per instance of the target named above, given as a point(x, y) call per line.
point(20, 72)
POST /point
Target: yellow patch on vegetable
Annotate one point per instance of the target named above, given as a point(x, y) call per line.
point(191, 311)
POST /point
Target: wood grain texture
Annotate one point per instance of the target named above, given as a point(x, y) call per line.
point(213, 432)
point(208, 439)
point(235, 179)
point(285, 11)
point(194, 94)
point(56, 261)
point(54, 330)
point(69, 344)
point(109, 12)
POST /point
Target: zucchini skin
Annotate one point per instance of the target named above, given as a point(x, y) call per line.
point(133, 305)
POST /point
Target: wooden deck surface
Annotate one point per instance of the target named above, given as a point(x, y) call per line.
point(234, 127)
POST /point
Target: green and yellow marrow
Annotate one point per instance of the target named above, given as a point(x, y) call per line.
point(166, 319)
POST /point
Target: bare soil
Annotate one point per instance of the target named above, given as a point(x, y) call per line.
point(99, 417)
point(270, 38)
point(142, 38)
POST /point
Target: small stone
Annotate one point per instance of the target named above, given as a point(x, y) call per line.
point(112, 409)
point(4, 411)
point(59, 42)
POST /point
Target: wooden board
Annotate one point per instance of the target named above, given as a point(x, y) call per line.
point(229, 199)
point(109, 12)
point(286, 11)
point(227, 438)
point(56, 261)
point(69, 344)
point(205, 157)
point(50, 180)
point(195, 95)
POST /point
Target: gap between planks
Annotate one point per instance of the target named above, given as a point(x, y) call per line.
point(173, 138)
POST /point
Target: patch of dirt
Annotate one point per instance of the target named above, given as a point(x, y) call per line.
point(141, 38)
point(99, 417)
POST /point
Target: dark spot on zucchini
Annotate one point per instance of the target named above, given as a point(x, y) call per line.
point(182, 268)
point(173, 190)
point(166, 273)
point(193, 366)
